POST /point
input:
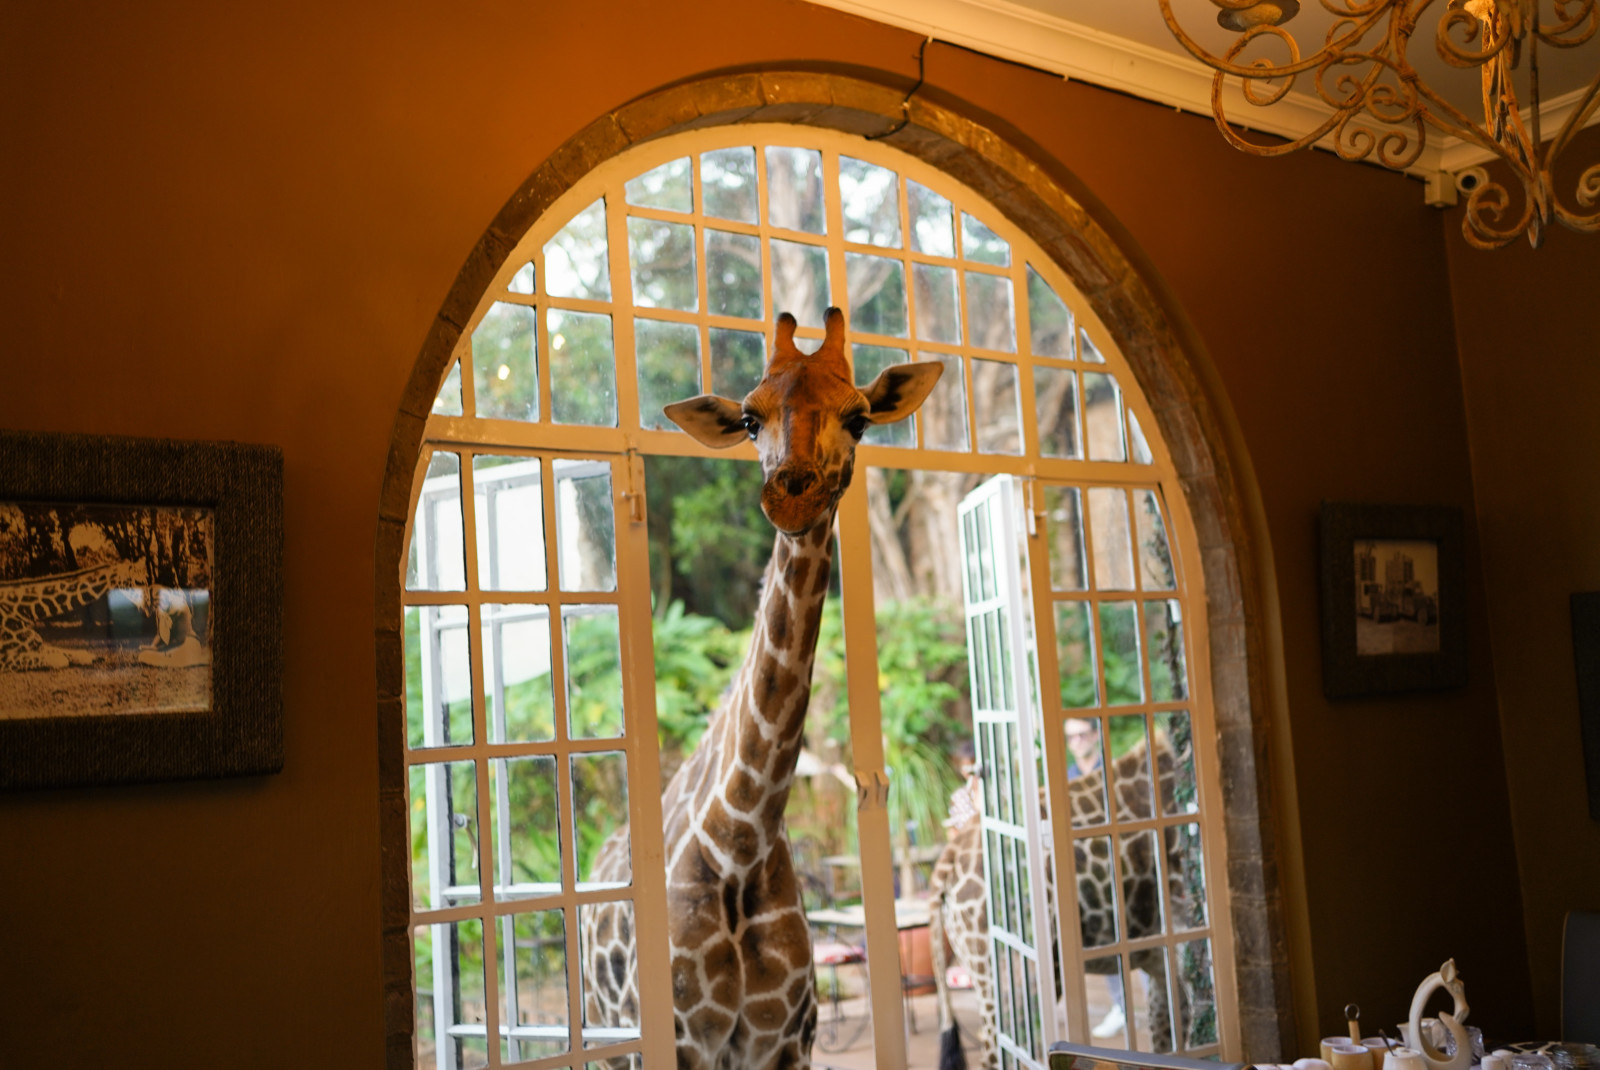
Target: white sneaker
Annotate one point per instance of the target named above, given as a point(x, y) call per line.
point(1111, 1024)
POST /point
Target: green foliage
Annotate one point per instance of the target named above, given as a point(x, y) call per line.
point(696, 658)
point(709, 542)
point(922, 670)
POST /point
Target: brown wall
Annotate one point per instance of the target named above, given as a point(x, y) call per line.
point(239, 223)
point(1530, 363)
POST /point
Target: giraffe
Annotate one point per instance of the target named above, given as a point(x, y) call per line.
point(742, 976)
point(959, 895)
point(25, 603)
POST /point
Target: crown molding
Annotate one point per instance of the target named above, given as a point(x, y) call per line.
point(1013, 32)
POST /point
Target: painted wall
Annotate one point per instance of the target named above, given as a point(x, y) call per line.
point(1530, 365)
point(238, 223)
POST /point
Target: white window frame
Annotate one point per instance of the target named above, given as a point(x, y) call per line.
point(626, 443)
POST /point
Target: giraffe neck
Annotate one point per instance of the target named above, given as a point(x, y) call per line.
point(757, 733)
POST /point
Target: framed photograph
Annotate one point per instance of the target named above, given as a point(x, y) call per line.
point(1393, 610)
point(140, 610)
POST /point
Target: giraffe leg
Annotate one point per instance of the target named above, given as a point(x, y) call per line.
point(23, 650)
point(951, 1056)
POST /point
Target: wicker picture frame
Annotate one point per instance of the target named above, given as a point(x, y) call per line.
point(240, 489)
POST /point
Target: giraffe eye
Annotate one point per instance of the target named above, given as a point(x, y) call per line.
point(751, 425)
point(857, 425)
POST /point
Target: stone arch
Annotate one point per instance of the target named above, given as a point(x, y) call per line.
point(1043, 198)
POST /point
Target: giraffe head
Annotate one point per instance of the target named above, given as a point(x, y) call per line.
point(806, 417)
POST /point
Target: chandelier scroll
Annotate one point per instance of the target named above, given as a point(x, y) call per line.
point(1381, 109)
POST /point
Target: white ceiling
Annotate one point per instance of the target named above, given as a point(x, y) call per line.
point(1126, 45)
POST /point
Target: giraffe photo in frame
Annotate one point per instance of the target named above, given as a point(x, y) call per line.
point(104, 609)
point(140, 609)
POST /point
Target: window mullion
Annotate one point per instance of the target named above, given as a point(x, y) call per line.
point(873, 842)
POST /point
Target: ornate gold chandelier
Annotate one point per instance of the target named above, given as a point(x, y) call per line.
point(1383, 110)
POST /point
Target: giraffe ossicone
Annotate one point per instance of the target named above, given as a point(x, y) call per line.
point(743, 988)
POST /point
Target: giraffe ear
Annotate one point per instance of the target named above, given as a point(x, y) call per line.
point(900, 389)
point(710, 420)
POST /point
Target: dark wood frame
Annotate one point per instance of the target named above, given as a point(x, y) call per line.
point(242, 733)
point(1346, 674)
point(1586, 658)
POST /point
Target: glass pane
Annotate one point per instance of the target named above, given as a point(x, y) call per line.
point(877, 286)
point(1063, 510)
point(932, 227)
point(1056, 395)
point(669, 368)
point(738, 361)
point(1155, 556)
point(1119, 647)
point(794, 189)
point(1163, 634)
point(519, 703)
point(1196, 976)
point(1186, 880)
point(800, 281)
point(1130, 767)
point(980, 243)
point(1086, 349)
point(1152, 1010)
point(661, 256)
point(533, 989)
point(1102, 417)
point(600, 809)
point(444, 835)
point(1113, 544)
point(869, 197)
point(450, 992)
point(1141, 884)
point(583, 369)
point(938, 310)
point(1175, 763)
point(728, 183)
point(594, 672)
point(1097, 899)
point(508, 495)
point(665, 187)
point(448, 401)
point(505, 373)
point(1075, 656)
point(991, 319)
point(1050, 322)
point(994, 396)
point(869, 361)
point(585, 526)
point(1138, 447)
point(610, 973)
point(522, 281)
point(527, 851)
point(427, 1027)
point(733, 274)
point(1102, 984)
point(575, 260)
point(943, 417)
point(438, 677)
point(1086, 781)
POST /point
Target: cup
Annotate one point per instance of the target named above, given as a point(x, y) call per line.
point(1325, 1048)
point(1404, 1059)
point(1348, 1056)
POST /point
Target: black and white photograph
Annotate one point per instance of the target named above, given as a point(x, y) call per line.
point(104, 609)
point(1397, 597)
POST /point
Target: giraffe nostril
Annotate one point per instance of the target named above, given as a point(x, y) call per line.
point(797, 482)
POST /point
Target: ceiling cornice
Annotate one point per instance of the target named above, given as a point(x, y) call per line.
point(1075, 51)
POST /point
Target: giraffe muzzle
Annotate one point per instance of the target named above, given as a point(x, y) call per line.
point(796, 500)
